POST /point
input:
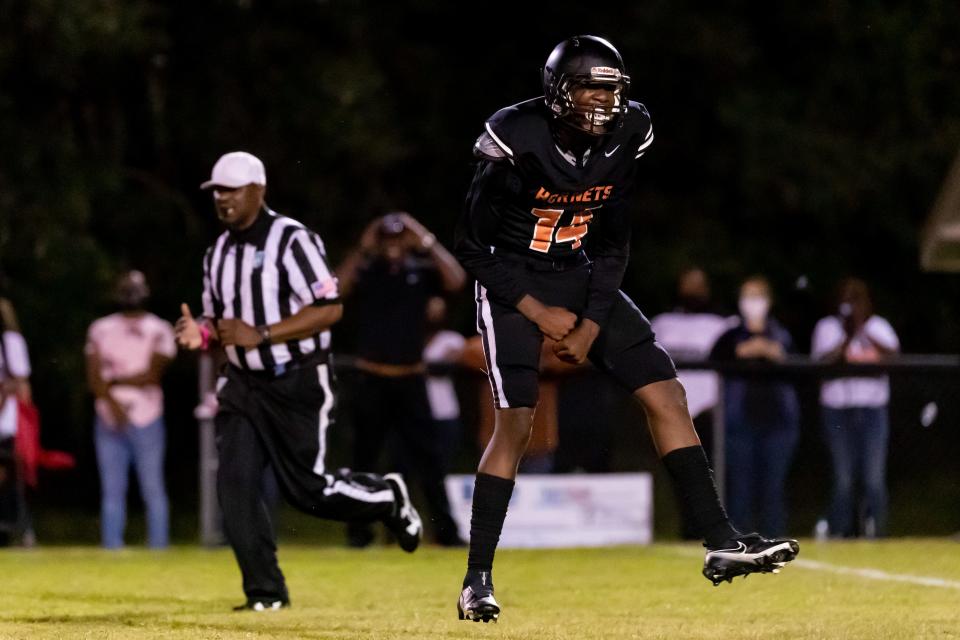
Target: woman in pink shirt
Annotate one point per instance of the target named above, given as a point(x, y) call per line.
point(127, 353)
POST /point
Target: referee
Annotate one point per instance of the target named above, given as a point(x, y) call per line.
point(269, 299)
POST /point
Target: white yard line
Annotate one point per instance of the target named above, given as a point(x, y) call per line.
point(866, 574)
point(876, 574)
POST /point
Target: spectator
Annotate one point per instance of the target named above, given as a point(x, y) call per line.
point(762, 414)
point(444, 348)
point(855, 422)
point(14, 388)
point(688, 333)
point(392, 274)
point(127, 353)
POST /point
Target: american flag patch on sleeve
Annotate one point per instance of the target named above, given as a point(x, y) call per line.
point(323, 289)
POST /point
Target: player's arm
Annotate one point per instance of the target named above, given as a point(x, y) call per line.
point(609, 249)
point(609, 239)
point(476, 233)
point(475, 237)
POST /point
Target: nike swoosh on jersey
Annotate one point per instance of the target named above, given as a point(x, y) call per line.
point(611, 152)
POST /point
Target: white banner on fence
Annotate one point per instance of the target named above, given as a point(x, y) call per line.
point(576, 510)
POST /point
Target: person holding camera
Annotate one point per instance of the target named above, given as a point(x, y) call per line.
point(391, 276)
point(855, 423)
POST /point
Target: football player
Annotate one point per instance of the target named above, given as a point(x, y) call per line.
point(546, 233)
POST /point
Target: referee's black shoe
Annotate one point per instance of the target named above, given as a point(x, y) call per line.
point(476, 600)
point(404, 522)
point(746, 554)
point(263, 604)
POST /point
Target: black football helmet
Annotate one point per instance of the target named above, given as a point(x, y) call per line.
point(579, 61)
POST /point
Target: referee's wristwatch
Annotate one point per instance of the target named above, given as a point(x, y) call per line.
point(264, 331)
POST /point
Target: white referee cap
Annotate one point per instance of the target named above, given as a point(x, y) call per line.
point(236, 169)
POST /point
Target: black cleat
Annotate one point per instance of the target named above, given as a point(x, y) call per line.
point(263, 604)
point(746, 554)
point(477, 602)
point(405, 522)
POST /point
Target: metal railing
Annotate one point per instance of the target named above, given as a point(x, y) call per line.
point(795, 368)
point(803, 367)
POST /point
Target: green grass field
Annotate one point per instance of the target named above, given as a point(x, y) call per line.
point(895, 589)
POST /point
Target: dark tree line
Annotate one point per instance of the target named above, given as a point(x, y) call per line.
point(803, 140)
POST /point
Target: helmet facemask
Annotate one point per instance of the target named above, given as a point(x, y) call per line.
point(594, 119)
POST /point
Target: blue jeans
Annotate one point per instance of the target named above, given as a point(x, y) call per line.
point(144, 447)
point(758, 460)
point(857, 439)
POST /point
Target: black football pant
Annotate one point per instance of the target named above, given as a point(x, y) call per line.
point(395, 411)
point(626, 348)
point(282, 421)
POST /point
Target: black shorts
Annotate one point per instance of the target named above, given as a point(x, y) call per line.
point(626, 347)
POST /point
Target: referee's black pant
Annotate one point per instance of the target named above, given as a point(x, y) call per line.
point(282, 421)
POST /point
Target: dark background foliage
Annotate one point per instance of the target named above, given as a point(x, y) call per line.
point(804, 140)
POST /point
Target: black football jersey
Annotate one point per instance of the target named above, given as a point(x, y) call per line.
point(530, 196)
point(556, 198)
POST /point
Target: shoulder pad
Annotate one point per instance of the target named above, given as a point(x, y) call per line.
point(512, 129)
point(486, 147)
point(641, 127)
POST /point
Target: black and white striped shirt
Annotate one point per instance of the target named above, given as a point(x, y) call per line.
point(263, 274)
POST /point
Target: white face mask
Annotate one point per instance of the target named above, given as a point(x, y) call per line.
point(754, 308)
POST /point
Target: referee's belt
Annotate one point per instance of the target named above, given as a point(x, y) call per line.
point(542, 263)
point(308, 361)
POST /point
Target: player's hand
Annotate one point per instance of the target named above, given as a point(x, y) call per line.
point(237, 332)
point(574, 348)
point(553, 322)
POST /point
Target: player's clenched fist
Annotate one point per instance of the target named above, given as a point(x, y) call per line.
point(553, 322)
point(556, 322)
point(574, 348)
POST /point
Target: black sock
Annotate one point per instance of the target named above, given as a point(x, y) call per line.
point(693, 480)
point(491, 495)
